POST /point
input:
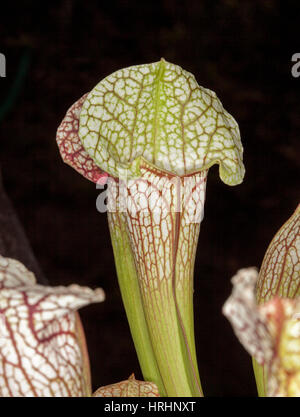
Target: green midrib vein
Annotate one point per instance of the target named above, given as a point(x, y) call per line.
point(157, 105)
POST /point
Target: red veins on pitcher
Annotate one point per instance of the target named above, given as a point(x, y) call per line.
point(42, 345)
point(269, 332)
point(154, 128)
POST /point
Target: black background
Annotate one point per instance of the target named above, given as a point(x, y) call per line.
point(240, 49)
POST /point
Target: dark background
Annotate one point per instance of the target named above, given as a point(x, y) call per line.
point(56, 51)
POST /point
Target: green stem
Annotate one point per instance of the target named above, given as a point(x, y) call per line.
point(155, 250)
point(131, 297)
point(260, 374)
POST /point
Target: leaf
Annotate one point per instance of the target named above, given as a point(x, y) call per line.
point(161, 219)
point(131, 296)
point(269, 332)
point(279, 273)
point(158, 112)
point(282, 316)
point(248, 325)
point(129, 388)
point(154, 122)
point(71, 149)
point(42, 348)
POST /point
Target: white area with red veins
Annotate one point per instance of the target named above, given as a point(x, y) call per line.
point(269, 332)
point(70, 146)
point(40, 351)
point(158, 112)
point(162, 218)
point(248, 324)
point(129, 388)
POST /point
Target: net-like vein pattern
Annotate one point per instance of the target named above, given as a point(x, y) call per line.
point(158, 112)
point(280, 270)
point(128, 388)
point(241, 310)
point(70, 146)
point(269, 332)
point(163, 215)
point(41, 347)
